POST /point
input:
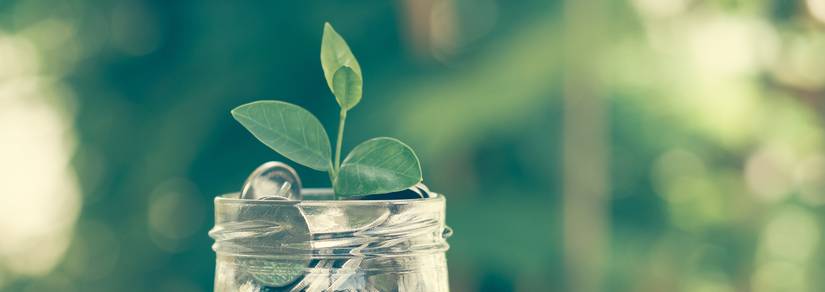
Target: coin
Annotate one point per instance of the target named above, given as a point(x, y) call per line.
point(281, 228)
point(272, 180)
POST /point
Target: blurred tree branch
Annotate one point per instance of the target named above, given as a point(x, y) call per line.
point(584, 148)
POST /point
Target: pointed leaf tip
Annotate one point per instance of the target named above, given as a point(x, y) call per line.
point(335, 53)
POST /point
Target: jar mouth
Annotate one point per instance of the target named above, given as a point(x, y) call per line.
point(328, 228)
point(323, 197)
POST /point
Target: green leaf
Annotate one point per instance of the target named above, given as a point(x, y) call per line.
point(346, 87)
point(335, 53)
point(378, 165)
point(289, 130)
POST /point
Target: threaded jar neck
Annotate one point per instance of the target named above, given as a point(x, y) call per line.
point(327, 229)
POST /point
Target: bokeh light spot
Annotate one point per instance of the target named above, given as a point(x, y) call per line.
point(725, 45)
point(709, 282)
point(39, 193)
point(660, 8)
point(817, 9)
point(793, 235)
point(18, 58)
point(779, 276)
point(768, 173)
point(802, 63)
point(810, 178)
point(693, 198)
point(176, 212)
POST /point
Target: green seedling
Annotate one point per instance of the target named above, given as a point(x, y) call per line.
point(378, 165)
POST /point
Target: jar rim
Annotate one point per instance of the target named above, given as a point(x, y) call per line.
point(233, 198)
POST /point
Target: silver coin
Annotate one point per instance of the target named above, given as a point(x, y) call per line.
point(272, 180)
point(275, 181)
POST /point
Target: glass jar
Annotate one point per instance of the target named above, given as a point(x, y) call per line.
point(320, 244)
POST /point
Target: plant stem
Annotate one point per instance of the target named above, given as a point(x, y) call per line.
point(341, 122)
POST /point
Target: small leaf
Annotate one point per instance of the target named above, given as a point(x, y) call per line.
point(335, 53)
point(346, 87)
point(378, 165)
point(289, 130)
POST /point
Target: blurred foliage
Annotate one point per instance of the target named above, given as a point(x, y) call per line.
point(115, 134)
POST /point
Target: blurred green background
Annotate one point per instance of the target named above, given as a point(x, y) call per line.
point(637, 145)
